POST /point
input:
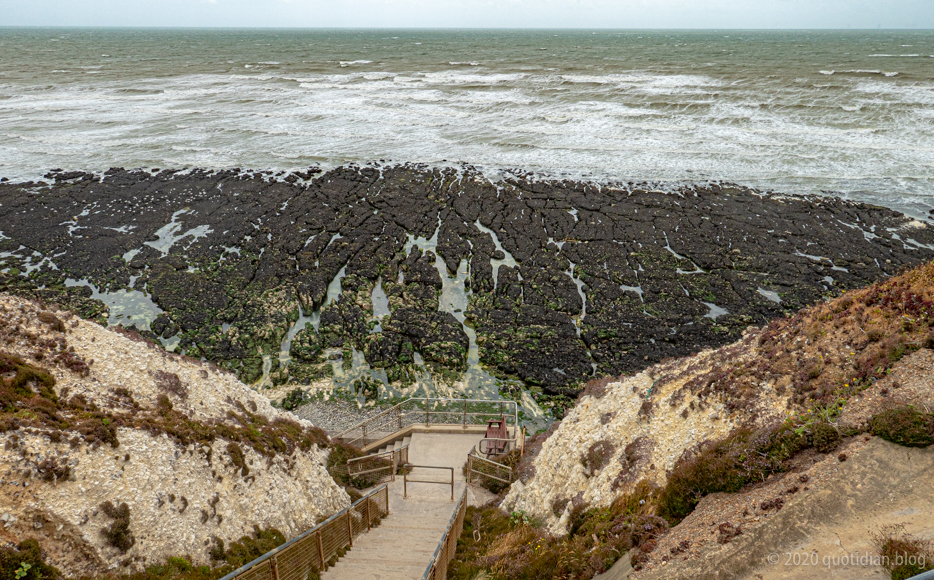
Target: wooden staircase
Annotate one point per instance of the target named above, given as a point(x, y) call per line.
point(403, 545)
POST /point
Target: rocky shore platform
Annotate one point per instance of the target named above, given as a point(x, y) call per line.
point(406, 269)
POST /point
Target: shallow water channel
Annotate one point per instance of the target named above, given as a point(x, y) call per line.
point(475, 383)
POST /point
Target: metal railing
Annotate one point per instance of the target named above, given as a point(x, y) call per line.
point(481, 466)
point(312, 550)
point(433, 411)
point(406, 480)
point(378, 462)
point(444, 553)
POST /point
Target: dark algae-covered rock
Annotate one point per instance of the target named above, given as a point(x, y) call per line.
point(564, 280)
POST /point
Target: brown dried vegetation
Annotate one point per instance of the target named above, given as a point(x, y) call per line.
point(830, 351)
point(28, 399)
point(118, 533)
point(506, 546)
point(597, 457)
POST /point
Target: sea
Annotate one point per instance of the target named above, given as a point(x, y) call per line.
point(848, 113)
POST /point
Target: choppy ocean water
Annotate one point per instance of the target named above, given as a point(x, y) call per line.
point(800, 112)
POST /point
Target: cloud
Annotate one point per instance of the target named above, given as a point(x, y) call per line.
point(475, 13)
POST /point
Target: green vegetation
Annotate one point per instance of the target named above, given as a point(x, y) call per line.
point(904, 425)
point(831, 351)
point(744, 456)
point(903, 555)
point(597, 457)
point(24, 562)
point(511, 546)
point(247, 548)
point(515, 547)
point(28, 399)
point(118, 534)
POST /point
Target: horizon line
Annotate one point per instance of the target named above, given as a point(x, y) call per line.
point(458, 28)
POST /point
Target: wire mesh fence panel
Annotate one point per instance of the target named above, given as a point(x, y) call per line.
point(379, 505)
point(262, 571)
point(296, 562)
point(479, 468)
point(333, 538)
point(311, 551)
point(358, 519)
point(430, 412)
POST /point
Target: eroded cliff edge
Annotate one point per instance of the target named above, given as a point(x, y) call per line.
point(117, 455)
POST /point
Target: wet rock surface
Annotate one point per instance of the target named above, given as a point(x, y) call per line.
point(565, 279)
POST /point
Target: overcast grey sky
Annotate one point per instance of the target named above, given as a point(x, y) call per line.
point(474, 13)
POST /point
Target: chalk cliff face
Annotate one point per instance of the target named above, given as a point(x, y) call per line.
point(833, 364)
point(630, 430)
point(94, 420)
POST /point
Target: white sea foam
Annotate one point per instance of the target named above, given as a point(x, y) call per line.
point(856, 131)
point(860, 72)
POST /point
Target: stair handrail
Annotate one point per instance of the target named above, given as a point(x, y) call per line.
point(401, 407)
point(476, 455)
point(375, 455)
point(438, 566)
point(319, 563)
point(394, 457)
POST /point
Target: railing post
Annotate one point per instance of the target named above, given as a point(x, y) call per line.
point(275, 568)
point(349, 529)
point(324, 565)
point(364, 434)
point(427, 414)
point(452, 484)
point(465, 414)
point(366, 507)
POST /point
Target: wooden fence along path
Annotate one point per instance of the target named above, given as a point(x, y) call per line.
point(446, 415)
point(313, 550)
point(438, 434)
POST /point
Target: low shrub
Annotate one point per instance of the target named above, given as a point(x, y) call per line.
point(596, 388)
point(248, 548)
point(744, 456)
point(25, 562)
point(726, 465)
point(176, 568)
point(170, 383)
point(118, 534)
point(825, 437)
point(598, 455)
point(51, 320)
point(512, 546)
point(238, 459)
point(52, 469)
point(337, 462)
point(904, 425)
point(903, 555)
